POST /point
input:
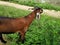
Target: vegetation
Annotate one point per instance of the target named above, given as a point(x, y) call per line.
point(32, 3)
point(45, 31)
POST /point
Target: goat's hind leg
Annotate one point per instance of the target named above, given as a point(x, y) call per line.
point(1, 38)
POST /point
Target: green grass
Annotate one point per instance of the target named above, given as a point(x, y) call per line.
point(45, 31)
point(32, 3)
point(11, 12)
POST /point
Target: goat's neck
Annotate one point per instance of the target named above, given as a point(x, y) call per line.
point(30, 17)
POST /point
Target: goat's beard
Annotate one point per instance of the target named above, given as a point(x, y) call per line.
point(38, 16)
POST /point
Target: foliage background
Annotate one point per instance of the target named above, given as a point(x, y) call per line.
point(45, 31)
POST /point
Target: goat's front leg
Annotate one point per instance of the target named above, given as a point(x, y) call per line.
point(23, 34)
point(22, 37)
point(1, 38)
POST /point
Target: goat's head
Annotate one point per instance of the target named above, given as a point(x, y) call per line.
point(38, 11)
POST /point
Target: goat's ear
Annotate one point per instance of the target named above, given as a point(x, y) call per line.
point(31, 9)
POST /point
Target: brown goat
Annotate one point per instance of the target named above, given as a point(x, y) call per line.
point(12, 25)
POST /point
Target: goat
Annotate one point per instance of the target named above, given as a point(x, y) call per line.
point(20, 25)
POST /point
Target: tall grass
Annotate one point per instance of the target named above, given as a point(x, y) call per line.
point(45, 31)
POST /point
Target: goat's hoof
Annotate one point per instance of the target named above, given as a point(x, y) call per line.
point(4, 42)
point(23, 41)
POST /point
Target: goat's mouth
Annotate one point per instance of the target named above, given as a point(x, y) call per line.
point(38, 16)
